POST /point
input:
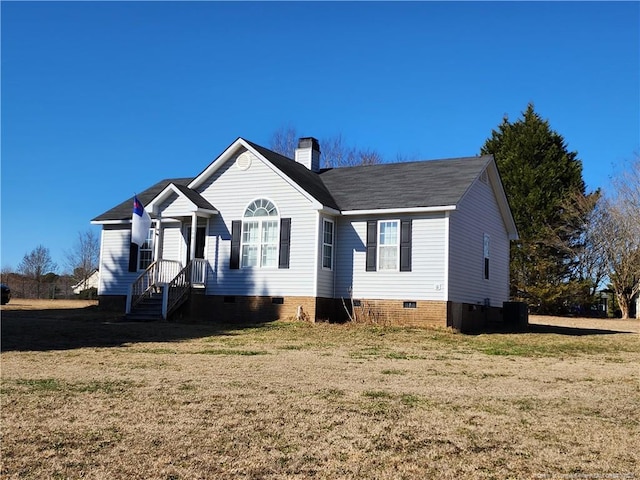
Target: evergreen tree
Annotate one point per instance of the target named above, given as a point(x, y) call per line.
point(543, 182)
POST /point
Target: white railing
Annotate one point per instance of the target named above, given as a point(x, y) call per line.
point(158, 273)
point(199, 272)
point(176, 291)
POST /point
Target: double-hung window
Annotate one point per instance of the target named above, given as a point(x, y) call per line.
point(388, 244)
point(145, 253)
point(260, 233)
point(327, 244)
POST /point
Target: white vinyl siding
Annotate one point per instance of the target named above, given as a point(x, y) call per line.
point(326, 276)
point(227, 191)
point(115, 277)
point(425, 281)
point(476, 219)
point(175, 206)
point(173, 242)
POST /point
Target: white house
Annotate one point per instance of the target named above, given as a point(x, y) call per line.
point(91, 281)
point(418, 243)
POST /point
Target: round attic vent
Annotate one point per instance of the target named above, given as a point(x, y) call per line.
point(243, 162)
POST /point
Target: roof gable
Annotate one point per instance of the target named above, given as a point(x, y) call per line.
point(305, 181)
point(194, 199)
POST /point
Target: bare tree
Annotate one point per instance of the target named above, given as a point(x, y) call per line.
point(82, 260)
point(334, 152)
point(284, 141)
point(36, 265)
point(618, 235)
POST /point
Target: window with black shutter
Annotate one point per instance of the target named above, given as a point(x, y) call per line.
point(236, 231)
point(285, 242)
point(372, 245)
point(405, 245)
point(133, 257)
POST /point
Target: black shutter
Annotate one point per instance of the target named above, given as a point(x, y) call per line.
point(372, 245)
point(285, 242)
point(405, 246)
point(236, 232)
point(133, 257)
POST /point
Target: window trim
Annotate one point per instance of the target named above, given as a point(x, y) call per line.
point(380, 246)
point(326, 221)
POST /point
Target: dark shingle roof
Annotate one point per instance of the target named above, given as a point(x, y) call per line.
point(123, 211)
point(432, 183)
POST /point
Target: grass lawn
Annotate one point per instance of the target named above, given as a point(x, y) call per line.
point(85, 397)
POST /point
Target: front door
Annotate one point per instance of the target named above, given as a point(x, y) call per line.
point(201, 233)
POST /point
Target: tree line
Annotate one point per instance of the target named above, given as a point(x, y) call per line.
point(37, 277)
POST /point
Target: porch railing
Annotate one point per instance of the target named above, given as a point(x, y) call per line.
point(158, 273)
point(178, 289)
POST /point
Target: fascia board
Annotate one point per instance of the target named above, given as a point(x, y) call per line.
point(503, 201)
point(382, 211)
point(217, 163)
point(330, 211)
point(110, 222)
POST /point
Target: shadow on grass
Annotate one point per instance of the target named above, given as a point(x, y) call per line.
point(66, 329)
point(573, 331)
point(552, 329)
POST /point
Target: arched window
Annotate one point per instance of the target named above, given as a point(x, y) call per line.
point(260, 233)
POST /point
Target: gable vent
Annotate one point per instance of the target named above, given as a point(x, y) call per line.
point(484, 177)
point(243, 162)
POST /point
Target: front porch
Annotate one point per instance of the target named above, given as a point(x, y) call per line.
point(163, 287)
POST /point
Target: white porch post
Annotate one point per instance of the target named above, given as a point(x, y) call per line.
point(159, 238)
point(194, 229)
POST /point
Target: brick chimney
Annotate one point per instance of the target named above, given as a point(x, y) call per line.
point(308, 153)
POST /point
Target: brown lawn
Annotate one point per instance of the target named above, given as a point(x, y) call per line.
point(84, 396)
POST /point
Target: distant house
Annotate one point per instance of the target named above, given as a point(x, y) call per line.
point(256, 235)
point(92, 281)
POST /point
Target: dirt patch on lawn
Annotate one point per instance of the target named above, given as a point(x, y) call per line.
point(44, 304)
point(612, 324)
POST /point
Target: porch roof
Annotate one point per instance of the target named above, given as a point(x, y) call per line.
point(124, 210)
point(198, 203)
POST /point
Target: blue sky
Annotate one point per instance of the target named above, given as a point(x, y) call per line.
point(103, 99)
